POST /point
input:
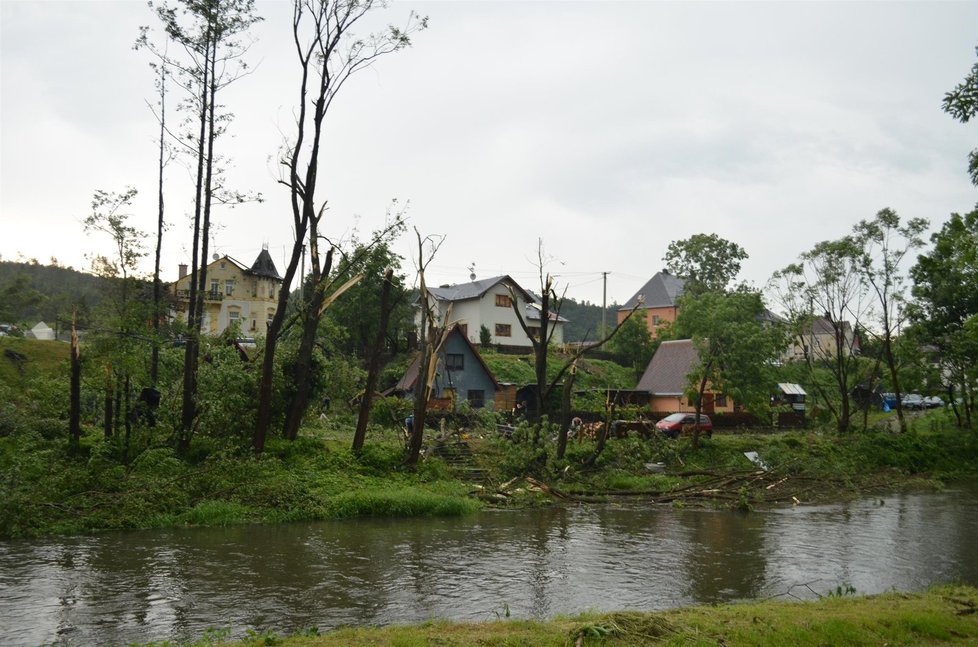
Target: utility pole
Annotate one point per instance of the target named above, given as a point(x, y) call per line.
point(604, 305)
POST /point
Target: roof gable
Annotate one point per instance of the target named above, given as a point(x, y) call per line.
point(410, 377)
point(669, 368)
point(476, 289)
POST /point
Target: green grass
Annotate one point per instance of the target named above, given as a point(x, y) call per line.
point(941, 616)
point(40, 358)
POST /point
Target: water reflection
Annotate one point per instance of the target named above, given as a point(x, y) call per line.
point(173, 584)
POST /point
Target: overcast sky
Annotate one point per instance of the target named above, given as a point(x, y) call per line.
point(606, 129)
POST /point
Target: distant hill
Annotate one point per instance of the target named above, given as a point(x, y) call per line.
point(31, 292)
point(584, 320)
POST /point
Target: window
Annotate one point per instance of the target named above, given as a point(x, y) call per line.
point(504, 330)
point(234, 318)
point(534, 331)
point(214, 287)
point(254, 325)
point(228, 287)
point(656, 320)
point(477, 398)
point(720, 401)
point(504, 301)
point(454, 361)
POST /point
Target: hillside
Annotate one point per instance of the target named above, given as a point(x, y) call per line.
point(592, 373)
point(30, 292)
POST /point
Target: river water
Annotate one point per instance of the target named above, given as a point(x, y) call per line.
point(174, 584)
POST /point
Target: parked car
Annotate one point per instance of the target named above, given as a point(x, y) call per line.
point(933, 402)
point(913, 401)
point(673, 425)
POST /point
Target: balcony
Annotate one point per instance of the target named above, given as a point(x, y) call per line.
point(209, 295)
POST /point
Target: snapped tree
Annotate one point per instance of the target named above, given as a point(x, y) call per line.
point(328, 54)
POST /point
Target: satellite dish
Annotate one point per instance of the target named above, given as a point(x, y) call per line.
point(215, 256)
point(472, 272)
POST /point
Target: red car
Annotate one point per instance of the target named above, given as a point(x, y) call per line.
point(671, 426)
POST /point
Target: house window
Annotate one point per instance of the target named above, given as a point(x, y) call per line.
point(254, 325)
point(534, 331)
point(454, 361)
point(228, 287)
point(234, 318)
point(504, 301)
point(720, 401)
point(656, 320)
point(214, 287)
point(477, 398)
point(504, 330)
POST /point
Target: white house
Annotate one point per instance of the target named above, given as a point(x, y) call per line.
point(41, 331)
point(489, 303)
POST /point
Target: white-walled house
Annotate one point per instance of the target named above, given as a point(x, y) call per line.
point(489, 303)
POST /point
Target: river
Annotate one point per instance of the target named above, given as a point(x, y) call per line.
point(173, 584)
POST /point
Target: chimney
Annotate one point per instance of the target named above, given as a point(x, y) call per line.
point(182, 270)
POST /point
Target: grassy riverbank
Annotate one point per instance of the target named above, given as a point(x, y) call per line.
point(48, 489)
point(941, 616)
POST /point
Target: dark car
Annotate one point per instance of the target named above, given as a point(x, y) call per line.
point(673, 425)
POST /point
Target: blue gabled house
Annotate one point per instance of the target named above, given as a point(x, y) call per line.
point(462, 375)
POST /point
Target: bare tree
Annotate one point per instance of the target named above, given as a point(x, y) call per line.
point(550, 305)
point(432, 334)
point(826, 285)
point(883, 244)
point(373, 362)
point(328, 55)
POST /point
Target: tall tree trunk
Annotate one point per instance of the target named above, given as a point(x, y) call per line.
point(373, 367)
point(310, 326)
point(74, 407)
point(566, 412)
point(107, 410)
point(154, 364)
point(891, 364)
point(194, 314)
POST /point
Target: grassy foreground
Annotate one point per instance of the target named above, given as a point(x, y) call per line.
point(946, 615)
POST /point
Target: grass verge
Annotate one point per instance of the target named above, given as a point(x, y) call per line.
point(946, 615)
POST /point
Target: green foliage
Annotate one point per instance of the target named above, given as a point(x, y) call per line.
point(634, 342)
point(736, 348)
point(485, 336)
point(962, 104)
point(707, 262)
point(352, 321)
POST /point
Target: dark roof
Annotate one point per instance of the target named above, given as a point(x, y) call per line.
point(532, 312)
point(823, 326)
point(475, 289)
point(263, 266)
point(666, 373)
point(661, 291)
point(406, 383)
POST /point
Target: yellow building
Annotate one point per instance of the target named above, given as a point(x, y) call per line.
point(235, 294)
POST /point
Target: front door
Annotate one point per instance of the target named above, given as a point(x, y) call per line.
point(708, 408)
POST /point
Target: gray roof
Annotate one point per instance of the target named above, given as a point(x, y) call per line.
point(475, 289)
point(532, 312)
point(661, 291)
point(263, 266)
point(666, 373)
